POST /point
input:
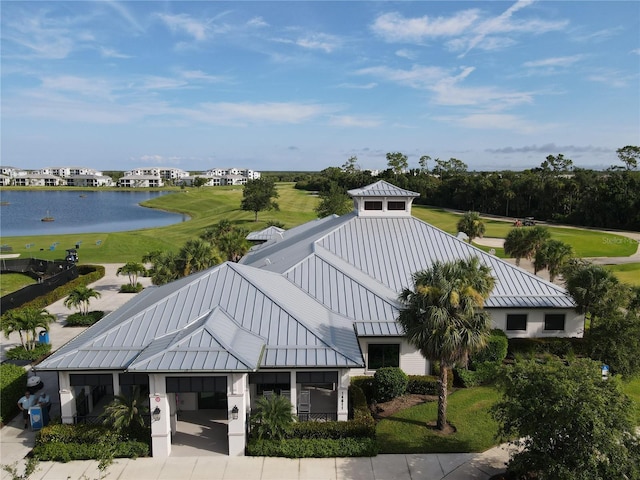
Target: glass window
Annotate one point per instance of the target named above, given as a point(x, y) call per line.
point(371, 205)
point(396, 205)
point(554, 321)
point(516, 321)
point(383, 355)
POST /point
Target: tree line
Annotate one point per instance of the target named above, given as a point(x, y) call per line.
point(556, 191)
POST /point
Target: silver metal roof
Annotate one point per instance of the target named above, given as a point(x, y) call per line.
point(266, 234)
point(382, 189)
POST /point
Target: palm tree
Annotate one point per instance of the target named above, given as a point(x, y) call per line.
point(233, 244)
point(26, 321)
point(132, 269)
point(197, 255)
point(472, 225)
point(272, 416)
point(553, 255)
point(515, 244)
point(124, 412)
point(443, 316)
point(80, 297)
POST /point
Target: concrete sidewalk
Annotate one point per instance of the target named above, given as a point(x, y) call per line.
point(16, 442)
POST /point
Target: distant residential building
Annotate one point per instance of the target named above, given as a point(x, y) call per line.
point(12, 172)
point(38, 180)
point(140, 181)
point(66, 172)
point(162, 172)
point(90, 181)
point(243, 172)
point(211, 180)
point(5, 180)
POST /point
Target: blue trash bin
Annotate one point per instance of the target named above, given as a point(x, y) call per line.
point(43, 337)
point(36, 417)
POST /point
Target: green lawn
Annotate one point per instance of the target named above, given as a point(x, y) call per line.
point(207, 206)
point(632, 388)
point(468, 411)
point(626, 272)
point(10, 282)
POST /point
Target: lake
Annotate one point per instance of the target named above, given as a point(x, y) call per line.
point(21, 212)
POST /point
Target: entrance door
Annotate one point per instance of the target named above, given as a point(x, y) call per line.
point(215, 399)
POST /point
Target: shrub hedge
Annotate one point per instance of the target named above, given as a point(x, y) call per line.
point(313, 448)
point(357, 428)
point(88, 274)
point(389, 383)
point(485, 373)
point(365, 384)
point(422, 385)
point(63, 443)
point(13, 383)
point(80, 320)
point(128, 288)
point(561, 347)
point(20, 353)
point(495, 351)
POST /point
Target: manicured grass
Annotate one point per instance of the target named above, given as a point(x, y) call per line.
point(205, 207)
point(585, 243)
point(468, 411)
point(10, 282)
point(626, 272)
point(632, 388)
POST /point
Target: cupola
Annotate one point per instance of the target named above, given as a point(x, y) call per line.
point(382, 199)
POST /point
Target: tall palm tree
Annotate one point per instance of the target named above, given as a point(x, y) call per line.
point(165, 266)
point(515, 244)
point(472, 225)
point(233, 244)
point(80, 297)
point(132, 269)
point(553, 255)
point(197, 255)
point(26, 321)
point(443, 316)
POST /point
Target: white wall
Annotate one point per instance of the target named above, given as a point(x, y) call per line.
point(574, 323)
point(411, 360)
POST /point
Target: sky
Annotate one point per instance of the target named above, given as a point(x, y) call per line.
point(303, 85)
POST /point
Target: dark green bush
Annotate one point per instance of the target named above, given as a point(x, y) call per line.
point(13, 383)
point(485, 373)
point(365, 383)
point(351, 429)
point(128, 288)
point(20, 353)
point(560, 347)
point(495, 351)
point(422, 385)
point(80, 320)
point(389, 383)
point(313, 448)
point(360, 411)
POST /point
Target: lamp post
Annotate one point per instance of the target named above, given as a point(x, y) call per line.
point(156, 414)
point(234, 412)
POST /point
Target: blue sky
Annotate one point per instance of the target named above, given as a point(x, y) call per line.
point(306, 85)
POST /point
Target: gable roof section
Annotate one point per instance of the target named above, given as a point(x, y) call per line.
point(243, 304)
point(215, 342)
point(266, 234)
point(382, 189)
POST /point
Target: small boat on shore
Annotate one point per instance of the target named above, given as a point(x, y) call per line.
point(48, 218)
point(3, 204)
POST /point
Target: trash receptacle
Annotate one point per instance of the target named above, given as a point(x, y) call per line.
point(35, 416)
point(43, 337)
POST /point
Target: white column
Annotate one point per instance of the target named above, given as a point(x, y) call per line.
point(236, 400)
point(294, 392)
point(161, 428)
point(67, 398)
point(116, 383)
point(343, 395)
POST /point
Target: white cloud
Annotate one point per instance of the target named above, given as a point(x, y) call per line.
point(495, 121)
point(359, 86)
point(393, 27)
point(554, 61)
point(185, 24)
point(353, 121)
point(405, 53)
point(612, 78)
point(319, 41)
point(243, 113)
point(257, 22)
point(90, 87)
point(111, 53)
point(635, 51)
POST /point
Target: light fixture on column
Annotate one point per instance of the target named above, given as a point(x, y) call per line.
point(341, 400)
point(156, 414)
point(234, 412)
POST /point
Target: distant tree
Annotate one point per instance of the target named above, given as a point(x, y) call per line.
point(275, 223)
point(197, 255)
point(26, 321)
point(615, 341)
point(333, 202)
point(199, 182)
point(424, 163)
point(258, 195)
point(570, 424)
point(351, 165)
point(523, 242)
point(132, 269)
point(552, 255)
point(80, 297)
point(472, 225)
point(398, 162)
point(629, 155)
point(448, 168)
point(557, 164)
point(233, 245)
point(165, 266)
point(443, 316)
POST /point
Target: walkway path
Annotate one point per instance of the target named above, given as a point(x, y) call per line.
point(16, 442)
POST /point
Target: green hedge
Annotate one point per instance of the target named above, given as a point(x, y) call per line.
point(13, 383)
point(561, 347)
point(20, 353)
point(360, 428)
point(365, 384)
point(88, 274)
point(128, 288)
point(313, 448)
point(80, 320)
point(485, 373)
point(495, 350)
point(63, 443)
point(422, 385)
